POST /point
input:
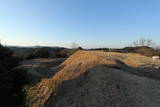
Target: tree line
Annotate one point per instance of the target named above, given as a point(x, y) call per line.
point(12, 79)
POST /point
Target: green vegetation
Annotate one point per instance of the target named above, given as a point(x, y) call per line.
point(38, 53)
point(79, 48)
point(41, 53)
point(12, 80)
point(61, 53)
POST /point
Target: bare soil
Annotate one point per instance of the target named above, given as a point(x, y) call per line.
point(99, 79)
point(107, 87)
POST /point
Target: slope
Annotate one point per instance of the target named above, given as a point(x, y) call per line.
point(100, 79)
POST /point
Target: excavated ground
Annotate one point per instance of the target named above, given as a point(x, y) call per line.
point(100, 79)
point(107, 87)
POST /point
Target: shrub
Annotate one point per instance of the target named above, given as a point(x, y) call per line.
point(61, 53)
point(30, 56)
point(73, 51)
point(41, 53)
point(79, 48)
point(146, 51)
point(11, 80)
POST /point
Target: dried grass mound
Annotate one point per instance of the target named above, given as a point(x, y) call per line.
point(98, 79)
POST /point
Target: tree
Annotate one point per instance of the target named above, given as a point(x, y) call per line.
point(80, 48)
point(41, 53)
point(11, 80)
point(143, 42)
point(149, 42)
point(135, 43)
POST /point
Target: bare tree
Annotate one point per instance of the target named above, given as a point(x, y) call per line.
point(135, 43)
point(149, 42)
point(143, 42)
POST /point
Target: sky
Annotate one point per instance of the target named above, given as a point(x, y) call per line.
point(89, 23)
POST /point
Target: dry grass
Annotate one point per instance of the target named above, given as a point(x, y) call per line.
point(75, 66)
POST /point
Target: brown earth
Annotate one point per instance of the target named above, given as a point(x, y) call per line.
point(100, 79)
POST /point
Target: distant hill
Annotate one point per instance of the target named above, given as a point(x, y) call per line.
point(143, 50)
point(25, 51)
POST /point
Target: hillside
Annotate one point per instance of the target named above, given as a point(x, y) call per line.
point(100, 79)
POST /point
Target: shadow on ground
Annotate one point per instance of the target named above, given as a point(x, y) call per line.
point(42, 68)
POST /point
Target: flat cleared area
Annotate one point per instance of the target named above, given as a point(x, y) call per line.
point(42, 67)
point(100, 79)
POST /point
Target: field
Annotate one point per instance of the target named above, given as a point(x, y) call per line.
point(42, 67)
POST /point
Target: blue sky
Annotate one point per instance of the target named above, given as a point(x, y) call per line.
point(90, 23)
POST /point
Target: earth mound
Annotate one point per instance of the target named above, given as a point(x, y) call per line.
point(100, 79)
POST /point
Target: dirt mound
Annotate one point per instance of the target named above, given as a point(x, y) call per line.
point(98, 79)
point(102, 86)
